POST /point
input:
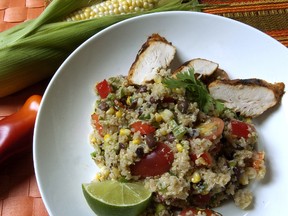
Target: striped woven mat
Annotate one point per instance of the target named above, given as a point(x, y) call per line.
point(269, 16)
point(19, 194)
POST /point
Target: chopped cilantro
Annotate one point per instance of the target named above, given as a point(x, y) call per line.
point(195, 91)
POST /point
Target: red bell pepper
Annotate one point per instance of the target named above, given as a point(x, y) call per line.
point(103, 89)
point(16, 130)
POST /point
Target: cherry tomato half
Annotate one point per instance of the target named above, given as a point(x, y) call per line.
point(143, 128)
point(240, 129)
point(155, 163)
point(211, 129)
point(194, 211)
point(103, 88)
point(206, 156)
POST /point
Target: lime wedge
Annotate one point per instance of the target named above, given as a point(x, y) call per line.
point(116, 198)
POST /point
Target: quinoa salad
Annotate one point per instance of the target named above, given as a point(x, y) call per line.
point(190, 150)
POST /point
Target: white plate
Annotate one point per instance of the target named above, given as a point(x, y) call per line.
point(61, 146)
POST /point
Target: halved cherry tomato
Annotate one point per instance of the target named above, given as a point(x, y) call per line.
point(97, 125)
point(211, 129)
point(206, 156)
point(143, 127)
point(103, 89)
point(194, 211)
point(240, 129)
point(155, 163)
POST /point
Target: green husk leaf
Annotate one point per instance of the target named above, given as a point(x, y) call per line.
point(34, 50)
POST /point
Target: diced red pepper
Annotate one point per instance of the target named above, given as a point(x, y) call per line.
point(103, 89)
point(143, 127)
point(96, 123)
point(240, 129)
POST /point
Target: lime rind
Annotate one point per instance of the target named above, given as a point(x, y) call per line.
point(116, 198)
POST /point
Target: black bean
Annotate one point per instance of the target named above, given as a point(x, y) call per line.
point(103, 106)
point(150, 140)
point(182, 106)
point(142, 89)
point(140, 152)
point(170, 137)
point(122, 145)
point(133, 104)
point(153, 100)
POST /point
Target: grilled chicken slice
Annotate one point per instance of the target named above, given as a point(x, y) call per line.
point(218, 74)
point(155, 54)
point(202, 67)
point(249, 97)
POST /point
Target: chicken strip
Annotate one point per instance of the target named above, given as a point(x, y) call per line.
point(249, 97)
point(155, 54)
point(202, 67)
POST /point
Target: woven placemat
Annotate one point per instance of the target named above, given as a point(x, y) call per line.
point(13, 12)
point(269, 16)
point(19, 194)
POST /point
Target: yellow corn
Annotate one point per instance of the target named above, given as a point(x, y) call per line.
point(107, 137)
point(128, 101)
point(110, 111)
point(124, 132)
point(112, 7)
point(178, 90)
point(158, 117)
point(179, 147)
point(119, 114)
point(157, 79)
point(196, 177)
point(93, 140)
point(136, 141)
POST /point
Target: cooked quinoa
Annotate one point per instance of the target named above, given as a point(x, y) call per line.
point(205, 168)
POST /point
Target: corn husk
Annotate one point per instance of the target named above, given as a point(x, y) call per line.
point(34, 50)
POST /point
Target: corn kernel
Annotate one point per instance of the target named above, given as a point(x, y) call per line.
point(112, 7)
point(93, 140)
point(110, 111)
point(136, 141)
point(244, 180)
point(158, 117)
point(196, 177)
point(107, 137)
point(248, 120)
point(124, 132)
point(163, 132)
point(119, 114)
point(179, 147)
point(128, 101)
point(98, 177)
point(180, 91)
point(157, 79)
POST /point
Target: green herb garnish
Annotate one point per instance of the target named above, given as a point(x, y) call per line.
point(195, 91)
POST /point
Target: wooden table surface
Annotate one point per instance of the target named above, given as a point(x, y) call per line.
point(19, 194)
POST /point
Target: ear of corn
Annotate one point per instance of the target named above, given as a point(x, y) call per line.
point(33, 51)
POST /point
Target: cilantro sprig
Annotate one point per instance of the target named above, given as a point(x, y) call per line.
point(195, 91)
